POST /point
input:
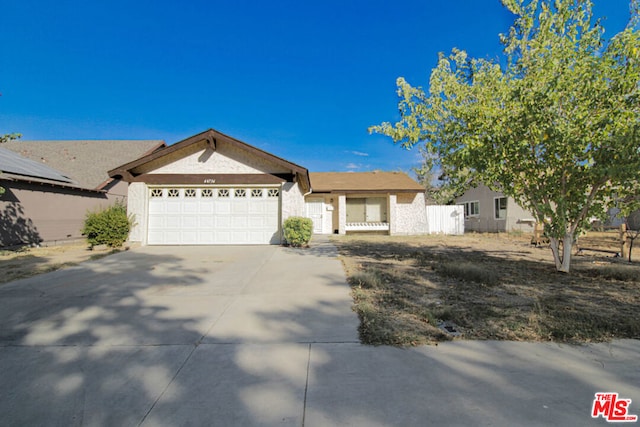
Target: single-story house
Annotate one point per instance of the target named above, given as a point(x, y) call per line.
point(214, 189)
point(50, 185)
point(491, 211)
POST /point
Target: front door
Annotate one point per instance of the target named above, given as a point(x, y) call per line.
point(314, 211)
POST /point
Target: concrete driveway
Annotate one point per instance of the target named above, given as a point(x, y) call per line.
point(254, 335)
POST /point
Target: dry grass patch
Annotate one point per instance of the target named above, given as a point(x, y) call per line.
point(489, 286)
point(27, 262)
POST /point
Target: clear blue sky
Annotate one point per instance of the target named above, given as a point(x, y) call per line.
point(300, 79)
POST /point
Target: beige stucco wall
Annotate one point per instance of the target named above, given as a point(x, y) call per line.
point(516, 219)
point(410, 216)
point(292, 200)
point(226, 159)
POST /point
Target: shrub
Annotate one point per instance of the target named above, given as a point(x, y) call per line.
point(109, 227)
point(298, 230)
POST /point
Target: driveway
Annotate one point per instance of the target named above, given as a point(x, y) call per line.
point(264, 335)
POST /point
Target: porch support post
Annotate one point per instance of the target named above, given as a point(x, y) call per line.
point(342, 214)
point(391, 214)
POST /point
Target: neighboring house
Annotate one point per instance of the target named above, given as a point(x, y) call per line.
point(486, 210)
point(214, 189)
point(50, 185)
point(390, 202)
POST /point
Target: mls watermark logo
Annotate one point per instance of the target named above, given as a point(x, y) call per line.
point(612, 408)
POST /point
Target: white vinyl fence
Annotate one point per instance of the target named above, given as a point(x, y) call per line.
point(445, 219)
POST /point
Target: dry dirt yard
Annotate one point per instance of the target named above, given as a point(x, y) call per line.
point(424, 289)
point(27, 262)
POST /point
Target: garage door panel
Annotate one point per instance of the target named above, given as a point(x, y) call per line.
point(206, 208)
point(190, 222)
point(207, 222)
point(257, 208)
point(189, 237)
point(240, 207)
point(172, 221)
point(190, 207)
point(239, 222)
point(257, 222)
point(222, 222)
point(222, 216)
point(223, 237)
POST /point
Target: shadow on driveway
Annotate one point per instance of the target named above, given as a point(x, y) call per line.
point(232, 336)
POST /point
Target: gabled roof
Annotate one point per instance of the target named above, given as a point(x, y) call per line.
point(212, 137)
point(86, 161)
point(381, 182)
point(15, 166)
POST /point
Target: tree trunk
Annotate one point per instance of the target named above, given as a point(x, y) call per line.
point(562, 255)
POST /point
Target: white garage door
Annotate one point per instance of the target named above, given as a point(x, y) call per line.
point(213, 216)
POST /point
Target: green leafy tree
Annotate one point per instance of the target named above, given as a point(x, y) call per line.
point(554, 124)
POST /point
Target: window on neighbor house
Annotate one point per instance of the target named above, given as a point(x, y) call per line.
point(500, 208)
point(471, 208)
point(369, 209)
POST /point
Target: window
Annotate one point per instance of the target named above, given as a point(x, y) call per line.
point(256, 193)
point(223, 192)
point(500, 208)
point(274, 192)
point(190, 192)
point(174, 192)
point(206, 193)
point(240, 193)
point(156, 192)
point(471, 208)
point(370, 209)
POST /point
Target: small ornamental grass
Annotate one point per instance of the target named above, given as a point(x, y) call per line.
point(298, 231)
point(109, 227)
point(469, 272)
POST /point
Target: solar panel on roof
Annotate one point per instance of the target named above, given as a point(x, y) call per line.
point(16, 164)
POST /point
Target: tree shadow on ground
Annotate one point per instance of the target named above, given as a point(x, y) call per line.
point(139, 339)
point(15, 227)
point(501, 293)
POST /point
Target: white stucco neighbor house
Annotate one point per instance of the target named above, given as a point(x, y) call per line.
point(214, 189)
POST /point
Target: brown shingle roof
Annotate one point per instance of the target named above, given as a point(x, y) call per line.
point(326, 182)
point(86, 161)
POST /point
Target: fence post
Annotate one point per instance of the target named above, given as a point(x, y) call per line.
point(537, 233)
point(624, 242)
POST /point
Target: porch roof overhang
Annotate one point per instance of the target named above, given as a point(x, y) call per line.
point(363, 183)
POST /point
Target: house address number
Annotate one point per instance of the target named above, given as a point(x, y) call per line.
point(209, 181)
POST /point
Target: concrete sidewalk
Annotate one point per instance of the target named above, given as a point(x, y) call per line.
point(166, 336)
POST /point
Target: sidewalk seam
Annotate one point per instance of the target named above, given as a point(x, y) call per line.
point(155, 402)
point(306, 387)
